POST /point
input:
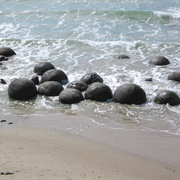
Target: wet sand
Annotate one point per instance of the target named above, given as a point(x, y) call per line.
point(52, 153)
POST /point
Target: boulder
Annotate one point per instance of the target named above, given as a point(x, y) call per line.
point(55, 75)
point(22, 89)
point(42, 67)
point(70, 96)
point(160, 60)
point(2, 58)
point(90, 78)
point(129, 94)
point(79, 85)
point(6, 51)
point(50, 88)
point(2, 81)
point(122, 56)
point(99, 92)
point(35, 79)
point(175, 76)
point(167, 97)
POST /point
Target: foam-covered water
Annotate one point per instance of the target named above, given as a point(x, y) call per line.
point(86, 36)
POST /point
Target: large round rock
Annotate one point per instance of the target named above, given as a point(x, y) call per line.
point(50, 88)
point(90, 78)
point(129, 94)
point(55, 75)
point(160, 60)
point(70, 96)
point(175, 76)
point(98, 92)
point(22, 89)
point(79, 85)
point(42, 67)
point(7, 52)
point(167, 97)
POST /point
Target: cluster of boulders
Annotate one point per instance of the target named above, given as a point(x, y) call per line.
point(49, 81)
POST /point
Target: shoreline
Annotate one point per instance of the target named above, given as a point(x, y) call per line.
point(31, 148)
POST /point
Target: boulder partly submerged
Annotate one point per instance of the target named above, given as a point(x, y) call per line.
point(129, 94)
point(90, 78)
point(6, 52)
point(50, 88)
point(70, 96)
point(55, 75)
point(42, 67)
point(22, 89)
point(159, 61)
point(167, 97)
point(99, 92)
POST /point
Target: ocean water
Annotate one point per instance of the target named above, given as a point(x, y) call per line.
point(80, 36)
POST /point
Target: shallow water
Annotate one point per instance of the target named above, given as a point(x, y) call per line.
point(86, 36)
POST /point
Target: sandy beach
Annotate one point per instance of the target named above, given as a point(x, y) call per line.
point(42, 153)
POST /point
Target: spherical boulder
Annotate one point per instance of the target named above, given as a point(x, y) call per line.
point(42, 67)
point(7, 52)
point(99, 92)
point(22, 89)
point(79, 85)
point(50, 88)
point(55, 75)
point(167, 97)
point(129, 94)
point(90, 78)
point(160, 60)
point(70, 96)
point(175, 76)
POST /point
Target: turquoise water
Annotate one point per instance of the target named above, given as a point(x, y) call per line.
point(85, 36)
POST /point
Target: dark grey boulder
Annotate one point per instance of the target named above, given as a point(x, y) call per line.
point(42, 67)
point(122, 56)
point(2, 58)
point(50, 88)
point(90, 78)
point(129, 94)
point(175, 76)
point(55, 75)
point(70, 96)
point(99, 92)
point(22, 89)
point(79, 85)
point(167, 97)
point(2, 81)
point(159, 61)
point(7, 52)
point(35, 79)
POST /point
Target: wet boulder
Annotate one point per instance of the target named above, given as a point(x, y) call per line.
point(90, 78)
point(42, 67)
point(2, 81)
point(55, 75)
point(22, 89)
point(2, 58)
point(70, 96)
point(129, 94)
point(159, 61)
point(50, 88)
point(7, 52)
point(122, 56)
point(175, 76)
point(99, 92)
point(79, 85)
point(167, 97)
point(35, 79)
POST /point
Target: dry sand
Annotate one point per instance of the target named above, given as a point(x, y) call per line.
point(27, 153)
